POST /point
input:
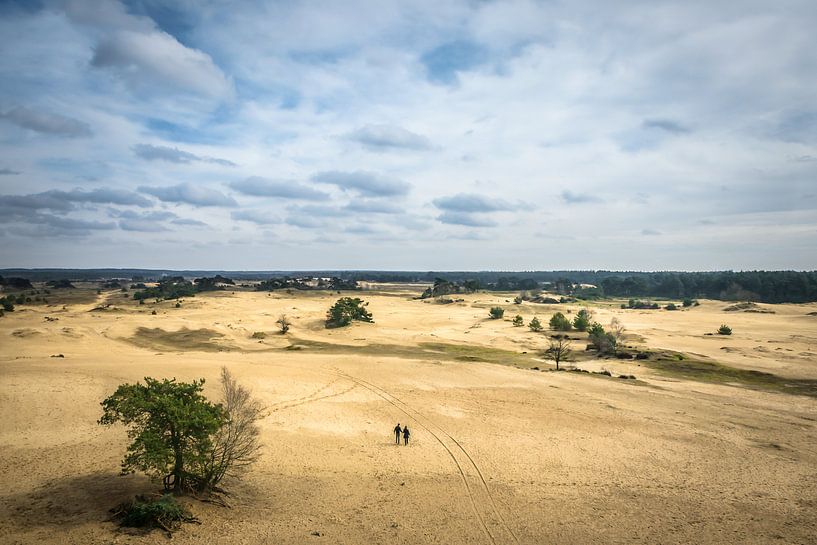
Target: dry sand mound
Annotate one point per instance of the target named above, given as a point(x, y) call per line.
point(183, 340)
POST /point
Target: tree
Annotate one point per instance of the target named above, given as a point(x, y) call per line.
point(559, 322)
point(496, 313)
point(582, 320)
point(283, 324)
point(601, 340)
point(558, 349)
point(235, 445)
point(616, 329)
point(518, 321)
point(345, 310)
point(170, 423)
point(535, 324)
point(724, 330)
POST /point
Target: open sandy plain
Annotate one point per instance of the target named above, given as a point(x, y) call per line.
point(501, 453)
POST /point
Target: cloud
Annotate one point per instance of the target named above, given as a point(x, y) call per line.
point(373, 207)
point(156, 59)
point(189, 194)
point(142, 226)
point(8, 172)
point(387, 137)
point(257, 186)
point(667, 125)
point(174, 155)
point(365, 183)
point(306, 222)
point(570, 197)
point(445, 62)
point(465, 218)
point(46, 122)
point(65, 200)
point(259, 217)
point(471, 202)
point(188, 221)
point(650, 232)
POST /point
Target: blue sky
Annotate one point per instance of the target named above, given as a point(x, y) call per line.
point(517, 135)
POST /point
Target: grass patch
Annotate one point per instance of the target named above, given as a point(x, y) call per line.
point(684, 366)
point(423, 351)
point(164, 512)
point(202, 340)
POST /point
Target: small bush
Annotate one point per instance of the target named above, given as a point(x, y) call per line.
point(724, 330)
point(560, 323)
point(496, 313)
point(518, 321)
point(582, 320)
point(283, 323)
point(535, 324)
point(688, 302)
point(258, 335)
point(163, 512)
point(345, 310)
point(671, 306)
point(178, 305)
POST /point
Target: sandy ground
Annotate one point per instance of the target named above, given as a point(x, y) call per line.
point(499, 453)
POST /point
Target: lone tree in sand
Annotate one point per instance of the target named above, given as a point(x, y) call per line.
point(559, 322)
point(518, 321)
point(535, 325)
point(170, 423)
point(558, 349)
point(283, 324)
point(180, 436)
point(496, 313)
point(345, 310)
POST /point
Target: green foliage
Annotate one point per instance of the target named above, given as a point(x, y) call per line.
point(560, 323)
point(7, 303)
point(518, 321)
point(689, 302)
point(724, 330)
point(535, 325)
point(163, 512)
point(496, 313)
point(345, 310)
point(644, 305)
point(582, 320)
point(170, 424)
point(601, 340)
point(671, 306)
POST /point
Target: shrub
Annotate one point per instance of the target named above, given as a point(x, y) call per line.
point(601, 340)
point(258, 335)
point(345, 310)
point(496, 313)
point(535, 324)
point(163, 512)
point(518, 321)
point(178, 305)
point(283, 323)
point(560, 323)
point(671, 306)
point(7, 303)
point(582, 320)
point(558, 349)
point(688, 302)
point(724, 330)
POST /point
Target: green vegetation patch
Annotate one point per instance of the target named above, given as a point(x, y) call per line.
point(423, 351)
point(680, 365)
point(202, 340)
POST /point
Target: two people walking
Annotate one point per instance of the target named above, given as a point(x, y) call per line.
point(404, 430)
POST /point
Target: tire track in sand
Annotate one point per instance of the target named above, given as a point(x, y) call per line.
point(482, 501)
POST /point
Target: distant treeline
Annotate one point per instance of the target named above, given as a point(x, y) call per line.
point(761, 286)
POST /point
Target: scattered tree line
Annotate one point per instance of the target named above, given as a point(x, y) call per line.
point(307, 283)
point(176, 287)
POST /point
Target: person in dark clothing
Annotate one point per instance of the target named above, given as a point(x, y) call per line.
point(397, 432)
point(406, 434)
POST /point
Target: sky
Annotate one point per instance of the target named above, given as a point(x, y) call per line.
point(455, 135)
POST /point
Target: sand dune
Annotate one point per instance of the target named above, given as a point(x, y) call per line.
point(500, 453)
